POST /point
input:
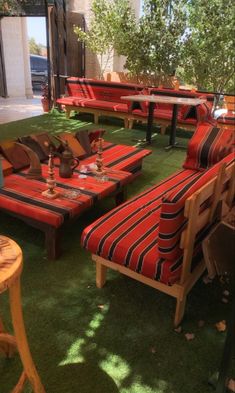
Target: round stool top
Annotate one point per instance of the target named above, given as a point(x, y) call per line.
point(10, 262)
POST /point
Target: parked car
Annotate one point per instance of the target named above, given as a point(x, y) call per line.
point(38, 65)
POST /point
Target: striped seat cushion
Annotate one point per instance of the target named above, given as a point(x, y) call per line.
point(208, 145)
point(172, 220)
point(128, 235)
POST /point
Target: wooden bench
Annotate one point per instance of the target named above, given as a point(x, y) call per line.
point(156, 236)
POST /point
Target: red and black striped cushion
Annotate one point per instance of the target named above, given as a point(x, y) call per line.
point(208, 145)
point(172, 220)
point(128, 235)
point(227, 118)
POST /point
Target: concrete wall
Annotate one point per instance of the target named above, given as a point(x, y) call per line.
point(16, 57)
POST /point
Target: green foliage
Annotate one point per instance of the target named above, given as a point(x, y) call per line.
point(157, 46)
point(34, 48)
point(209, 49)
point(109, 29)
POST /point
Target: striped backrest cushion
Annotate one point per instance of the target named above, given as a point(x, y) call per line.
point(172, 220)
point(208, 146)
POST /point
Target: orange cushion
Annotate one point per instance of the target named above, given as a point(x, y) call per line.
point(6, 166)
point(15, 154)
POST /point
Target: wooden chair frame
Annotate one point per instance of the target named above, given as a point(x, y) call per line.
point(196, 221)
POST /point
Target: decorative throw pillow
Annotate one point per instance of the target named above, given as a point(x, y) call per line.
point(6, 166)
point(45, 142)
point(15, 154)
point(208, 145)
point(73, 144)
point(34, 145)
point(94, 135)
point(83, 138)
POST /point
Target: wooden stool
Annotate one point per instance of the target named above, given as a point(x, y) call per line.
point(10, 270)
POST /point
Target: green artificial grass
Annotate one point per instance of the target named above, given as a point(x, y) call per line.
point(118, 339)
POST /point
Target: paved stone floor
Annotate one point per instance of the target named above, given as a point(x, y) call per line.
point(13, 109)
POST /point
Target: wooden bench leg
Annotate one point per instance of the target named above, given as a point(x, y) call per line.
point(130, 125)
point(126, 122)
point(21, 339)
point(163, 129)
point(96, 118)
point(100, 275)
point(179, 312)
point(68, 111)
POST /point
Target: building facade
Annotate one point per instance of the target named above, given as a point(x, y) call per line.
point(15, 64)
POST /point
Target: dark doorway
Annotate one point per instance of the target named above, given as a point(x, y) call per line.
point(65, 54)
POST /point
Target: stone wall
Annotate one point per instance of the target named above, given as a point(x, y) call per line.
point(16, 57)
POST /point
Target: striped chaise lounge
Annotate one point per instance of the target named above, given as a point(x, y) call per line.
point(156, 236)
point(22, 197)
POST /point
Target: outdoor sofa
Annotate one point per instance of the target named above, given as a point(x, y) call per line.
point(156, 236)
point(103, 98)
point(21, 194)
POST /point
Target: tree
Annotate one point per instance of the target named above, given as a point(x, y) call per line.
point(111, 24)
point(34, 48)
point(157, 46)
point(209, 49)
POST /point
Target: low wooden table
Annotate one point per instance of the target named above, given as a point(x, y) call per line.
point(23, 199)
point(153, 100)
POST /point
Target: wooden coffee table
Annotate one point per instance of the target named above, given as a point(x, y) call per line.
point(23, 199)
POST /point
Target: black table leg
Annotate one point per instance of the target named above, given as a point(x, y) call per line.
point(150, 123)
point(172, 142)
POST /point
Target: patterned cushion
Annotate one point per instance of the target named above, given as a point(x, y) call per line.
point(73, 144)
point(128, 235)
point(6, 166)
point(83, 138)
point(34, 145)
point(172, 220)
point(15, 154)
point(45, 142)
point(94, 135)
point(208, 145)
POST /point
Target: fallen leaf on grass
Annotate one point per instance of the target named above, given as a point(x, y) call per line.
point(153, 350)
point(189, 336)
point(231, 385)
point(179, 329)
point(207, 280)
point(224, 300)
point(101, 306)
point(201, 323)
point(221, 326)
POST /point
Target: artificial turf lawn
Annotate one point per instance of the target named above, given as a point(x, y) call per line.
point(119, 338)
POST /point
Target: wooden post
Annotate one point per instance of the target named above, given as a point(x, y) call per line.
point(100, 274)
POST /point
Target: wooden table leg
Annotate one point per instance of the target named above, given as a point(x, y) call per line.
point(52, 240)
point(21, 339)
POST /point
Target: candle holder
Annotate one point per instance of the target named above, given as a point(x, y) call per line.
point(50, 192)
point(100, 172)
